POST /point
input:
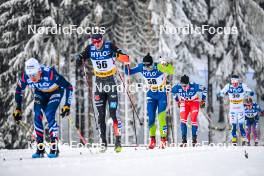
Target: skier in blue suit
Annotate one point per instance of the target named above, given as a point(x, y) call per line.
point(48, 88)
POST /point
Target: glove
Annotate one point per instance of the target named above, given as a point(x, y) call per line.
point(202, 104)
point(17, 114)
point(262, 113)
point(163, 61)
point(218, 97)
point(65, 111)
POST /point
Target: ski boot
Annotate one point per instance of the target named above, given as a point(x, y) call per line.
point(152, 142)
point(118, 147)
point(194, 141)
point(243, 141)
point(163, 142)
point(234, 141)
point(248, 143)
point(256, 142)
point(40, 151)
point(184, 142)
point(54, 150)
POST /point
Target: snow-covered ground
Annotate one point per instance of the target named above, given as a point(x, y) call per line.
point(204, 161)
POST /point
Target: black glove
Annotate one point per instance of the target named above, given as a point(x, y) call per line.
point(65, 111)
point(17, 114)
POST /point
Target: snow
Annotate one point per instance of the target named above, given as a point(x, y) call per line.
point(171, 161)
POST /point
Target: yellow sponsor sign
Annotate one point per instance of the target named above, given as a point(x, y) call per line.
point(236, 101)
point(106, 73)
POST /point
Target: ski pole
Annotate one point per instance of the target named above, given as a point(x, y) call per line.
point(134, 121)
point(130, 99)
point(86, 78)
point(23, 124)
point(210, 120)
point(79, 133)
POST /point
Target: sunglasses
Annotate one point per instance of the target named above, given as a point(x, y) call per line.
point(94, 41)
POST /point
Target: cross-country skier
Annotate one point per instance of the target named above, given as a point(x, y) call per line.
point(236, 90)
point(252, 111)
point(102, 55)
point(48, 88)
point(187, 97)
point(155, 76)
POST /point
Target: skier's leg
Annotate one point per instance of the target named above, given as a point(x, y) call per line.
point(100, 103)
point(194, 114)
point(241, 122)
point(162, 104)
point(254, 130)
point(184, 112)
point(233, 122)
point(113, 103)
point(39, 129)
point(117, 125)
point(50, 112)
point(151, 109)
point(248, 130)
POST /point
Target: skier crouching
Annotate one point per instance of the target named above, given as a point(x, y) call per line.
point(48, 88)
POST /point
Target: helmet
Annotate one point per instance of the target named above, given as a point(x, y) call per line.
point(32, 66)
point(185, 79)
point(147, 60)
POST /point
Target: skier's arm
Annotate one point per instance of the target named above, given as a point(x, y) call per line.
point(60, 81)
point(175, 91)
point(21, 86)
point(260, 110)
point(84, 56)
point(134, 70)
point(169, 69)
point(121, 56)
point(224, 91)
point(247, 90)
point(203, 90)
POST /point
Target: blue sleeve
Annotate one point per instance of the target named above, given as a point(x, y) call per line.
point(60, 81)
point(203, 90)
point(21, 86)
point(134, 70)
point(174, 91)
point(258, 108)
